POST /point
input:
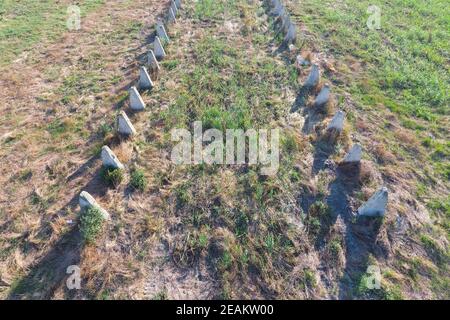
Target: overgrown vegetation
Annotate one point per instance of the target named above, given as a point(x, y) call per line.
point(112, 176)
point(138, 180)
point(91, 223)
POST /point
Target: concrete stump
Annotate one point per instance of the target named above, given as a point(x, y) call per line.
point(152, 61)
point(354, 155)
point(161, 33)
point(145, 82)
point(109, 159)
point(159, 49)
point(286, 22)
point(376, 205)
point(86, 201)
point(337, 123)
point(171, 16)
point(124, 125)
point(278, 10)
point(313, 77)
point(174, 8)
point(323, 97)
point(291, 34)
point(136, 102)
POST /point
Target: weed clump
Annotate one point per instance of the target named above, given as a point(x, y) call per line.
point(112, 176)
point(434, 250)
point(335, 248)
point(318, 217)
point(138, 180)
point(91, 224)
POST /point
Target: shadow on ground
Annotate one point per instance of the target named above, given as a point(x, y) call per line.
point(360, 232)
point(49, 273)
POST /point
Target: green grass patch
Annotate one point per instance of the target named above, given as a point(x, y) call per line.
point(25, 23)
point(91, 223)
point(112, 176)
point(213, 9)
point(403, 66)
point(138, 181)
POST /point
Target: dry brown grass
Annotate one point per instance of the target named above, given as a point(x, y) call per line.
point(408, 137)
point(383, 155)
point(42, 218)
point(368, 173)
point(124, 152)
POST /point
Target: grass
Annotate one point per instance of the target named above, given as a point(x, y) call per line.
point(385, 292)
point(210, 9)
point(400, 69)
point(247, 231)
point(26, 23)
point(435, 251)
point(69, 120)
point(335, 247)
point(112, 176)
point(91, 224)
point(223, 88)
point(227, 88)
point(318, 217)
point(138, 180)
point(404, 65)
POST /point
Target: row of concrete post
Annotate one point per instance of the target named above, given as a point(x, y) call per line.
point(124, 126)
point(376, 205)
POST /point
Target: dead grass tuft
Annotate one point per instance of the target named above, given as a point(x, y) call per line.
point(407, 136)
point(368, 173)
point(383, 155)
point(124, 151)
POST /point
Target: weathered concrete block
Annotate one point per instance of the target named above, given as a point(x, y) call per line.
point(145, 82)
point(275, 2)
point(152, 61)
point(174, 8)
point(159, 49)
point(278, 9)
point(171, 16)
point(354, 155)
point(337, 123)
point(376, 205)
point(292, 48)
point(124, 125)
point(109, 159)
point(86, 201)
point(136, 102)
point(313, 77)
point(291, 34)
point(161, 33)
point(323, 97)
point(285, 22)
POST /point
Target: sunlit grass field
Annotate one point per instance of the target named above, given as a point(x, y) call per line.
point(404, 65)
point(25, 23)
point(252, 236)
